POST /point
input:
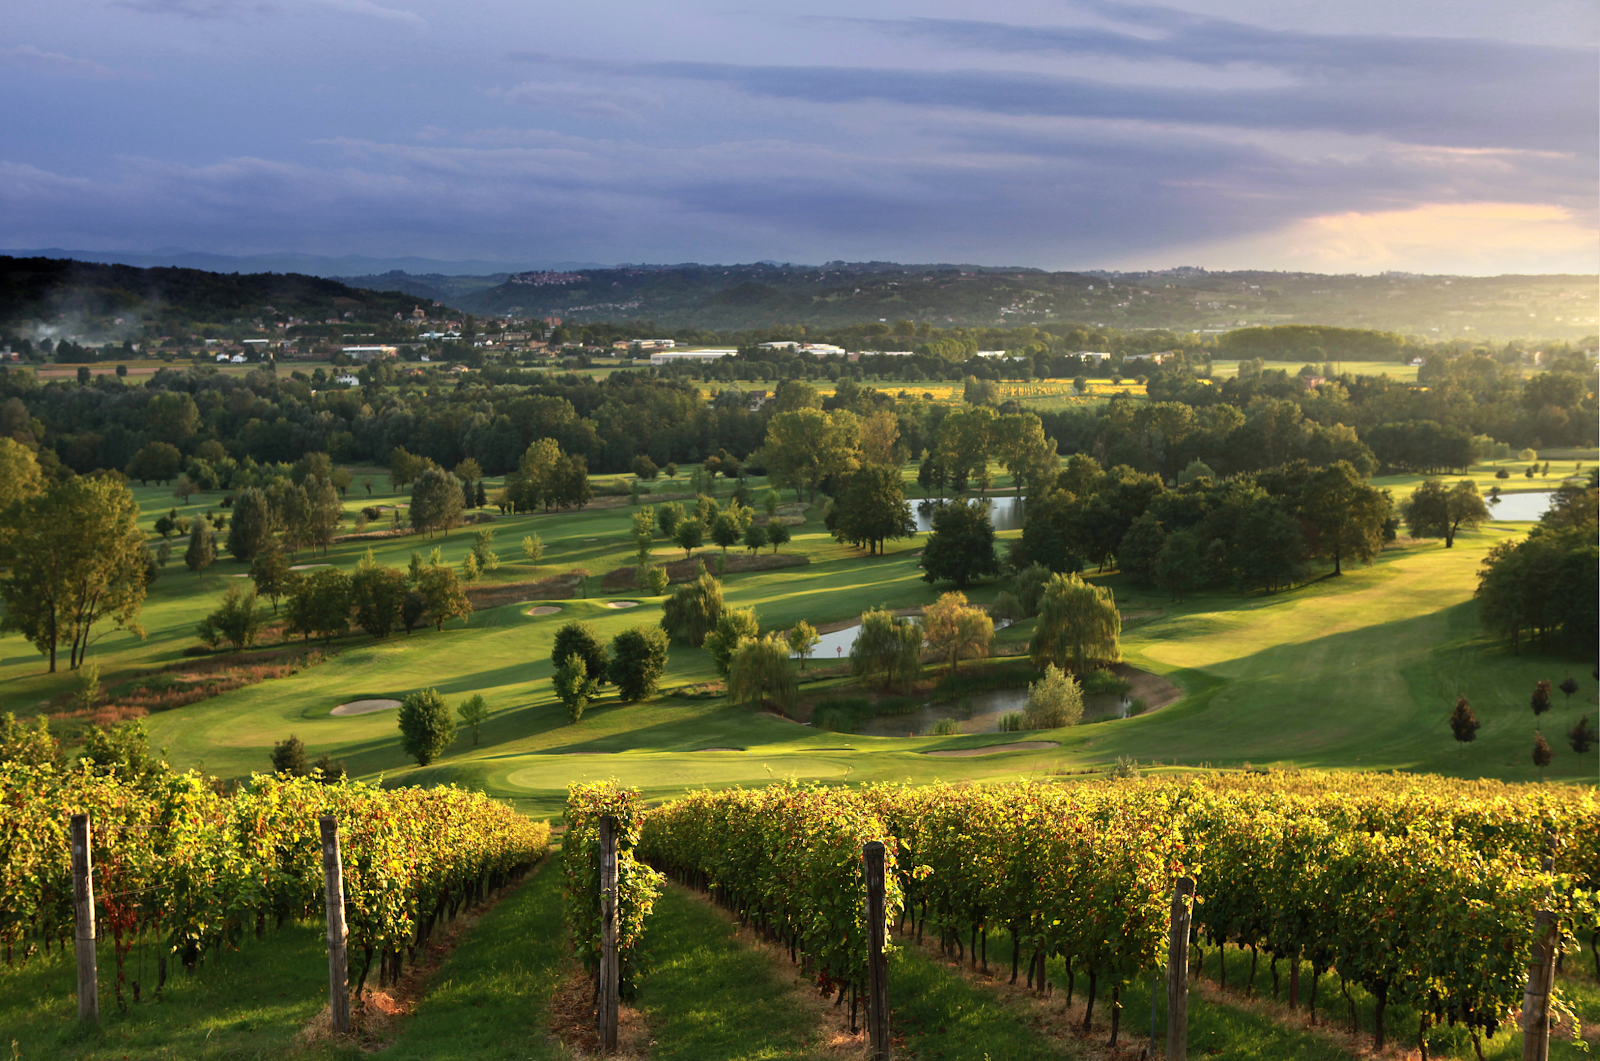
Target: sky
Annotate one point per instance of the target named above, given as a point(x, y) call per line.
point(1358, 136)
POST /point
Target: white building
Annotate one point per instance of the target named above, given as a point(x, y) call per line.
point(671, 356)
point(348, 380)
point(1098, 357)
point(1156, 358)
point(653, 344)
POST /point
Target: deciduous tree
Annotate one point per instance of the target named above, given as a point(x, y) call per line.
point(1079, 626)
point(759, 673)
point(638, 660)
point(871, 508)
point(960, 547)
point(426, 727)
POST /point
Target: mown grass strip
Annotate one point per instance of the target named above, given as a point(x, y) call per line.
point(708, 996)
point(490, 1000)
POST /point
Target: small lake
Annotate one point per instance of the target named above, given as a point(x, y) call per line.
point(1520, 507)
point(1004, 512)
point(987, 711)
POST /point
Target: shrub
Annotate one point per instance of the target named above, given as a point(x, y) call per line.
point(1012, 723)
point(579, 638)
point(1138, 707)
point(1054, 701)
point(638, 659)
point(946, 727)
point(574, 686)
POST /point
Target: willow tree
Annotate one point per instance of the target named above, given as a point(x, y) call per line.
point(693, 609)
point(887, 651)
point(1078, 626)
point(954, 628)
point(758, 672)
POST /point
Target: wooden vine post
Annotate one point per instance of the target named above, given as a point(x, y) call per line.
point(83, 935)
point(1178, 971)
point(1541, 976)
point(877, 963)
point(610, 974)
point(338, 958)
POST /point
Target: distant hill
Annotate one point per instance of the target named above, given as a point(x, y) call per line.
point(308, 264)
point(89, 296)
point(763, 294)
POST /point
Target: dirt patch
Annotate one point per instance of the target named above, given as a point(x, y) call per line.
point(544, 609)
point(364, 707)
point(556, 587)
point(687, 571)
point(572, 1020)
point(188, 683)
point(990, 749)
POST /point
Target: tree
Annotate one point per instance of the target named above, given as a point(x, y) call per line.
point(1540, 701)
point(1179, 566)
point(1581, 736)
point(693, 610)
point(202, 551)
point(273, 578)
point(235, 620)
point(653, 580)
point(644, 468)
point(574, 686)
point(469, 568)
point(1054, 701)
point(579, 639)
point(1346, 514)
point(404, 468)
point(689, 535)
point(961, 545)
point(253, 524)
point(725, 531)
point(1463, 723)
point(1433, 511)
point(322, 512)
point(758, 672)
point(803, 640)
point(435, 501)
point(412, 609)
point(1079, 626)
point(75, 555)
point(289, 758)
point(442, 592)
point(319, 605)
point(880, 434)
point(644, 523)
point(160, 461)
point(474, 712)
point(1568, 687)
point(532, 549)
point(966, 439)
point(668, 516)
point(777, 534)
point(483, 550)
point(871, 508)
point(469, 470)
point(638, 660)
point(734, 626)
point(953, 628)
point(1141, 547)
point(887, 651)
point(20, 475)
point(805, 446)
point(755, 536)
point(426, 728)
point(379, 595)
point(1541, 754)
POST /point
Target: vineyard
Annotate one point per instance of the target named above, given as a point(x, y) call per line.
point(1424, 893)
point(181, 862)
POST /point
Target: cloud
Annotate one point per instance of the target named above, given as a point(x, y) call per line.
point(573, 98)
point(1445, 238)
point(252, 9)
point(28, 55)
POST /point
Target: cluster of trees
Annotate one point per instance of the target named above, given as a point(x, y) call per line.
point(634, 663)
point(1249, 532)
point(1546, 587)
point(325, 602)
point(545, 477)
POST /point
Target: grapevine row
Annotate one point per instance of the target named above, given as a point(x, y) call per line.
point(174, 855)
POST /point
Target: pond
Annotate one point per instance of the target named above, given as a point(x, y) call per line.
point(1520, 507)
point(987, 711)
point(1004, 512)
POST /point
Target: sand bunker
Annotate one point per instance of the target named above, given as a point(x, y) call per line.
point(990, 749)
point(543, 609)
point(622, 604)
point(364, 707)
point(307, 567)
point(719, 749)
